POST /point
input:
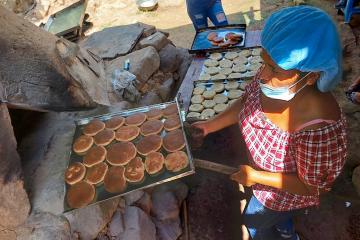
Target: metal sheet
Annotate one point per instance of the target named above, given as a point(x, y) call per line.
point(149, 181)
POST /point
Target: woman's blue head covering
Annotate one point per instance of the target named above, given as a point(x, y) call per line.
point(304, 38)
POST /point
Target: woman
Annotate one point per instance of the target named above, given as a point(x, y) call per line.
point(200, 10)
point(292, 125)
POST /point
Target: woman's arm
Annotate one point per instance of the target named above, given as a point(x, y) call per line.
point(289, 182)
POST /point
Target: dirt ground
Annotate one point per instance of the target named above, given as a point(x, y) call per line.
point(170, 16)
point(174, 19)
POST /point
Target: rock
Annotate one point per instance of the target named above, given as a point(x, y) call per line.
point(148, 29)
point(179, 188)
point(169, 60)
point(132, 197)
point(356, 179)
point(167, 34)
point(170, 3)
point(41, 11)
point(186, 59)
point(144, 87)
point(44, 226)
point(18, 6)
point(143, 63)
point(116, 107)
point(89, 221)
point(159, 77)
point(157, 40)
point(165, 206)
point(114, 41)
point(145, 203)
point(176, 76)
point(116, 226)
point(122, 204)
point(46, 161)
point(103, 236)
point(149, 99)
point(165, 89)
point(15, 205)
point(7, 234)
point(169, 230)
point(138, 225)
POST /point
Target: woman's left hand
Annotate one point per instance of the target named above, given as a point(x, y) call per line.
point(245, 176)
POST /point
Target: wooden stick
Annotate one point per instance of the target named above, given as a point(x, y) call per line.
point(215, 167)
point(186, 221)
point(245, 233)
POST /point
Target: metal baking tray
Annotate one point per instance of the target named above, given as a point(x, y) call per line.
point(246, 75)
point(201, 44)
point(208, 84)
point(68, 20)
point(149, 181)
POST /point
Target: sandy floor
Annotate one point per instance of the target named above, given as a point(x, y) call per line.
point(175, 19)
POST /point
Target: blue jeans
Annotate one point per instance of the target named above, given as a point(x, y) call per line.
point(266, 224)
point(200, 10)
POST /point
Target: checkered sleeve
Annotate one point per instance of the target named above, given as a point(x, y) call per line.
point(320, 155)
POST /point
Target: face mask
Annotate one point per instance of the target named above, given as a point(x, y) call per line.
point(281, 93)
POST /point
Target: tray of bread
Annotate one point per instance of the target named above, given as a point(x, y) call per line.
point(213, 97)
point(212, 39)
point(117, 153)
point(231, 65)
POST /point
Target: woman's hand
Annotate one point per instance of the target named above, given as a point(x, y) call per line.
point(245, 176)
point(198, 132)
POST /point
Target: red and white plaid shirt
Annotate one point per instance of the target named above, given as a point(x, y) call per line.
point(317, 156)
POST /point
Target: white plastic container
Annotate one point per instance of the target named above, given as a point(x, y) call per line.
point(146, 5)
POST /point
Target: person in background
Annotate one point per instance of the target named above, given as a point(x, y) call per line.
point(293, 127)
point(200, 10)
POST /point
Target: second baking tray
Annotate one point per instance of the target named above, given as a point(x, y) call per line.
point(149, 180)
point(202, 45)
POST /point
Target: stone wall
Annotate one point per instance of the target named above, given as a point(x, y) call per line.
point(158, 65)
point(45, 149)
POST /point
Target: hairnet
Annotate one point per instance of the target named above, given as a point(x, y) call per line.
point(304, 38)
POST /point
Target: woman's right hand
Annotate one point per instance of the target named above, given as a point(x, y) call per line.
point(198, 132)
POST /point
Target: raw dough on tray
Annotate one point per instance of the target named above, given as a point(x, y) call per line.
point(211, 63)
point(198, 90)
point(216, 56)
point(220, 107)
point(209, 103)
